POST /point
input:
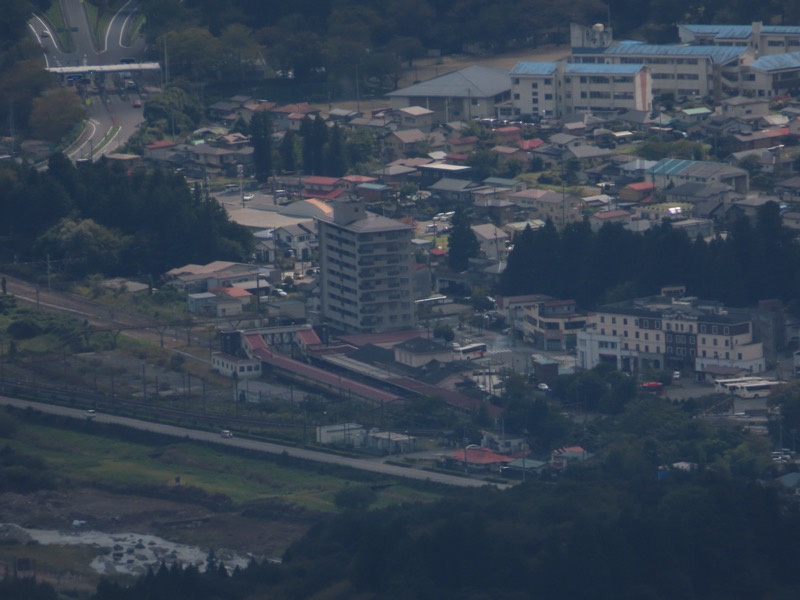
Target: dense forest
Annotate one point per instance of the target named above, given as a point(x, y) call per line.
point(590, 536)
point(755, 260)
point(338, 42)
point(101, 218)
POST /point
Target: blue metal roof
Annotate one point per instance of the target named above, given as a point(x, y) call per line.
point(600, 69)
point(717, 54)
point(777, 62)
point(669, 166)
point(739, 31)
point(534, 68)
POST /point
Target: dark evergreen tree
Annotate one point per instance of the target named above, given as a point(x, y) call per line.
point(319, 139)
point(261, 138)
point(307, 136)
point(335, 154)
point(287, 152)
point(463, 243)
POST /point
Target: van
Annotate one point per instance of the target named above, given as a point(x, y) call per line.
point(227, 434)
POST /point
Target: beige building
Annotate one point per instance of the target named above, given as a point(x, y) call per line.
point(670, 333)
point(557, 89)
point(365, 270)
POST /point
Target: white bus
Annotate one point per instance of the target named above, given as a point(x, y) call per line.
point(471, 351)
point(754, 389)
point(723, 386)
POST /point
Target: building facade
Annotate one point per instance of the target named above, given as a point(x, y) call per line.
point(670, 333)
point(366, 264)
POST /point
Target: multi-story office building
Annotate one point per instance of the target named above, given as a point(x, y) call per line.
point(365, 270)
point(670, 333)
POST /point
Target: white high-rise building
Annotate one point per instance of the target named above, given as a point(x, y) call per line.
point(365, 270)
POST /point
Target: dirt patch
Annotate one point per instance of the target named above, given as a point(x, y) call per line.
point(266, 536)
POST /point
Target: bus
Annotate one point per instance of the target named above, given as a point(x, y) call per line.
point(471, 351)
point(754, 389)
point(723, 386)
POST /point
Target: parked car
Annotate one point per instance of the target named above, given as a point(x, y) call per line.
point(137, 104)
point(226, 433)
point(543, 387)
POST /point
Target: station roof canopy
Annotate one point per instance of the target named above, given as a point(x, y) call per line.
point(117, 68)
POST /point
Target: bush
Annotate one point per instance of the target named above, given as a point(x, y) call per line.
point(24, 329)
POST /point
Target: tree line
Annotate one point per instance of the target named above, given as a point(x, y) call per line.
point(758, 259)
point(104, 218)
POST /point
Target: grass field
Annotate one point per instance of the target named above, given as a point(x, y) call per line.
point(101, 460)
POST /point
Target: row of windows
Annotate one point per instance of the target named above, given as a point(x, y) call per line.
point(642, 60)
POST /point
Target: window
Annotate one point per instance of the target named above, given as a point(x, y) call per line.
point(548, 96)
point(515, 81)
point(534, 85)
point(516, 96)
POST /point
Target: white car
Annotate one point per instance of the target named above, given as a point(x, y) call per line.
point(249, 196)
point(543, 387)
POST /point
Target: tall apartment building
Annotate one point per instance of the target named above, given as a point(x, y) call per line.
point(365, 271)
point(670, 333)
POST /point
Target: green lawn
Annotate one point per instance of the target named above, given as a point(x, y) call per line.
point(112, 463)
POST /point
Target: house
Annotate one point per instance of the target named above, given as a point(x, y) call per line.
point(415, 117)
point(406, 142)
point(744, 107)
point(598, 219)
point(470, 93)
point(492, 240)
point(456, 191)
point(326, 188)
point(475, 458)
point(636, 192)
point(462, 145)
point(281, 120)
point(298, 240)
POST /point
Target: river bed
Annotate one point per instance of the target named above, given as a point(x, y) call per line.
point(124, 553)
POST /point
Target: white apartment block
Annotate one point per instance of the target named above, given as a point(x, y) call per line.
point(691, 71)
point(366, 264)
point(761, 39)
point(560, 88)
point(669, 333)
point(773, 75)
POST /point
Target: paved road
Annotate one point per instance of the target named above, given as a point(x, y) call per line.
point(112, 119)
point(270, 448)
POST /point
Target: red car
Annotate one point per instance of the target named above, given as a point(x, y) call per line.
point(137, 104)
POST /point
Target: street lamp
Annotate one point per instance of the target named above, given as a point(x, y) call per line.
point(466, 470)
